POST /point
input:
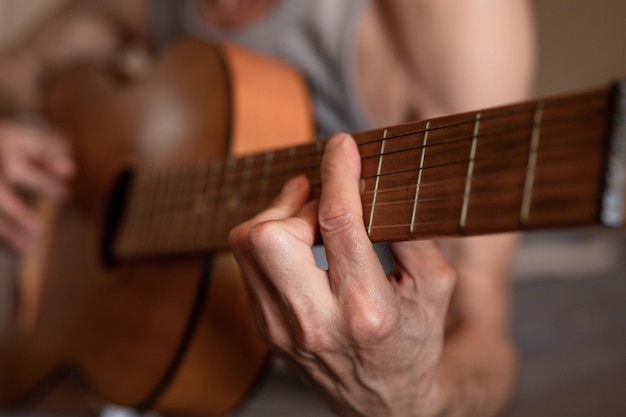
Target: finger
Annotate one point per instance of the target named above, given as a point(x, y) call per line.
point(282, 249)
point(301, 293)
point(23, 173)
point(352, 261)
point(48, 149)
point(56, 158)
point(34, 159)
point(423, 272)
point(292, 197)
point(261, 292)
point(19, 223)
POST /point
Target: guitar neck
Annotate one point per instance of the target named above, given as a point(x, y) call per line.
point(556, 162)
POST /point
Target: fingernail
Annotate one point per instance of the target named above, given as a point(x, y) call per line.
point(293, 184)
point(336, 140)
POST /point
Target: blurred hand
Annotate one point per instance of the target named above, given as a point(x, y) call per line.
point(34, 161)
point(370, 343)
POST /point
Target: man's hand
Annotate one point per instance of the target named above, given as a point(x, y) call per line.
point(33, 161)
point(370, 343)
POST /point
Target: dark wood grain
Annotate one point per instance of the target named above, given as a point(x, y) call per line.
point(539, 164)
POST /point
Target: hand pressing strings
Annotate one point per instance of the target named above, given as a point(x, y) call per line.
point(369, 343)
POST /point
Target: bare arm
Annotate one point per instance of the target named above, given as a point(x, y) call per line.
point(462, 55)
point(445, 57)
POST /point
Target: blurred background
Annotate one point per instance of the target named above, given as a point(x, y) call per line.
point(570, 287)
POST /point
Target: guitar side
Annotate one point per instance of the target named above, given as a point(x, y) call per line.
point(170, 333)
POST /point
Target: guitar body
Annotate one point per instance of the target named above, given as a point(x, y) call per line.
point(171, 333)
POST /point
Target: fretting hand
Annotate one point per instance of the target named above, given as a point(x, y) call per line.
point(370, 343)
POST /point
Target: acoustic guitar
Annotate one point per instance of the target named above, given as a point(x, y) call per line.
point(130, 291)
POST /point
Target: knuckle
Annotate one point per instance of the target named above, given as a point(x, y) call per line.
point(238, 238)
point(269, 236)
point(261, 235)
point(371, 324)
point(336, 217)
point(447, 277)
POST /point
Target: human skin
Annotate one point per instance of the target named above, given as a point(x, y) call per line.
point(443, 316)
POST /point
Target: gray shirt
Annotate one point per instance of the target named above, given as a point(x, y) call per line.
point(315, 37)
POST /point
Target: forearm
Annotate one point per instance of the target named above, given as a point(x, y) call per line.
point(477, 369)
point(480, 383)
point(80, 31)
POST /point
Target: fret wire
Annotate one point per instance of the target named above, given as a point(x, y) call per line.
point(167, 217)
point(380, 166)
point(448, 221)
point(210, 196)
point(482, 194)
point(520, 171)
point(171, 235)
point(419, 178)
point(227, 184)
point(160, 219)
point(545, 147)
point(176, 227)
point(317, 161)
point(502, 115)
point(494, 192)
point(276, 188)
point(500, 132)
point(196, 185)
point(181, 231)
point(496, 133)
point(532, 165)
point(422, 223)
point(554, 105)
point(430, 184)
point(201, 173)
point(244, 184)
point(267, 169)
point(568, 102)
point(424, 199)
point(290, 155)
point(470, 172)
point(154, 230)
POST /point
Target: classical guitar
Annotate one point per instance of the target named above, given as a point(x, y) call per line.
point(166, 332)
point(129, 292)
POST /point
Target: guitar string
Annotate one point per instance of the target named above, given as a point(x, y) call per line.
point(364, 157)
point(242, 215)
point(547, 151)
point(367, 156)
point(218, 239)
point(508, 131)
point(255, 198)
point(516, 111)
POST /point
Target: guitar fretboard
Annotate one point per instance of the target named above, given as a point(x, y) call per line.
point(533, 165)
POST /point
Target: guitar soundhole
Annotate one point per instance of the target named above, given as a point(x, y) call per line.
point(113, 216)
